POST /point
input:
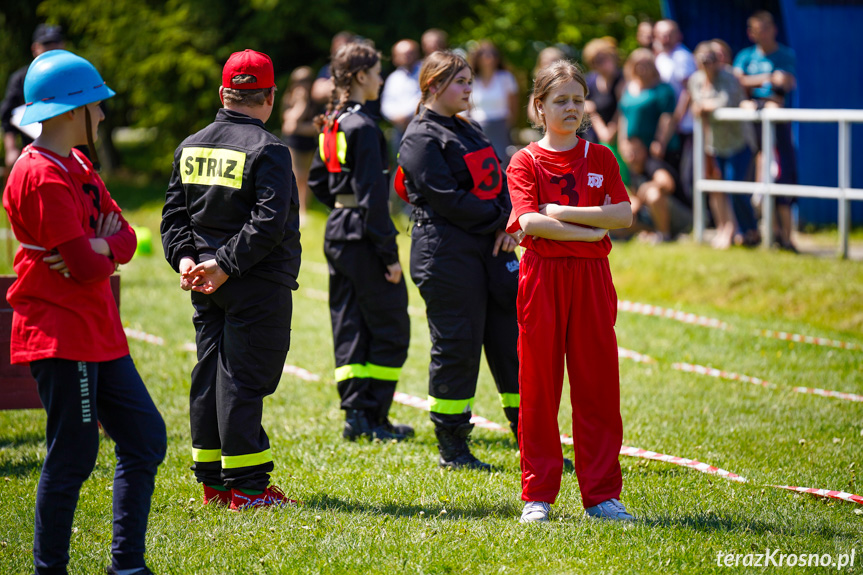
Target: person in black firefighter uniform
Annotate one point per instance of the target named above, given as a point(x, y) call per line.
point(368, 297)
point(230, 226)
point(462, 260)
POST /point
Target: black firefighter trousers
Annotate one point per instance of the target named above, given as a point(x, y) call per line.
point(371, 328)
point(243, 332)
point(470, 300)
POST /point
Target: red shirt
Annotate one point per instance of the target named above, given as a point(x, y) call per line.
point(583, 176)
point(50, 201)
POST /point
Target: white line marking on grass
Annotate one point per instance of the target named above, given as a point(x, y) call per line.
point(712, 372)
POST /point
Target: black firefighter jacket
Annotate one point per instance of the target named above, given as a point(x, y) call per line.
point(451, 171)
point(357, 165)
point(233, 196)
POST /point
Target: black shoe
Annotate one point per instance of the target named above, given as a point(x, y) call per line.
point(356, 425)
point(454, 452)
point(142, 571)
point(387, 431)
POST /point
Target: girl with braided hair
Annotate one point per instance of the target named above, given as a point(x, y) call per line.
point(368, 297)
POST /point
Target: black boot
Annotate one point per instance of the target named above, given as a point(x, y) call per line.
point(512, 416)
point(356, 425)
point(454, 452)
point(387, 431)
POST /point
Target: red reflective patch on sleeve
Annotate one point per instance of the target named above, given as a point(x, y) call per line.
point(331, 149)
point(399, 184)
point(485, 171)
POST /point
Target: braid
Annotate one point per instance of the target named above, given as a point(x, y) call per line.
point(345, 65)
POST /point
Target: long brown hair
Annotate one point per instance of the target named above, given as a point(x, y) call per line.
point(551, 78)
point(438, 70)
point(350, 60)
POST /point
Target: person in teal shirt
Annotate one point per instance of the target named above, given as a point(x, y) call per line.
point(767, 71)
point(647, 107)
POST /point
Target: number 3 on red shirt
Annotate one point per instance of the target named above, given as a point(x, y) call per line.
point(567, 188)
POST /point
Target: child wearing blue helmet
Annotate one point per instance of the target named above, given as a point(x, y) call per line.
point(65, 322)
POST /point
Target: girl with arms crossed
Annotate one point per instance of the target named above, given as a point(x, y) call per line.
point(566, 195)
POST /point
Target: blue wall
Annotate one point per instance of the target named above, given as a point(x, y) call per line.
point(824, 34)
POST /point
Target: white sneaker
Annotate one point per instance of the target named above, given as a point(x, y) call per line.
point(535, 511)
point(609, 509)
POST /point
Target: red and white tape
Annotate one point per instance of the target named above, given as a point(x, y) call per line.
point(796, 337)
point(143, 336)
point(824, 493)
point(634, 355)
point(300, 373)
point(712, 372)
point(702, 370)
point(691, 318)
point(692, 463)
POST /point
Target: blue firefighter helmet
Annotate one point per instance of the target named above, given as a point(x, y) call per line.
point(58, 81)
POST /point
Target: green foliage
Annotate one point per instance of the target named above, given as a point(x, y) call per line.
point(521, 28)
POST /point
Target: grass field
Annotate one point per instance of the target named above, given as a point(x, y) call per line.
point(387, 508)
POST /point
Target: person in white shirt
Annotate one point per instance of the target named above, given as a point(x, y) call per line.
point(676, 64)
point(402, 88)
point(495, 97)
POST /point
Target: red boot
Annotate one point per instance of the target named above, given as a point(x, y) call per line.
point(216, 496)
point(271, 497)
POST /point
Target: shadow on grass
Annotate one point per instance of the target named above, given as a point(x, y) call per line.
point(21, 467)
point(12, 438)
point(329, 502)
point(712, 523)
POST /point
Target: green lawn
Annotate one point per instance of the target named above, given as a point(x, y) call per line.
point(387, 508)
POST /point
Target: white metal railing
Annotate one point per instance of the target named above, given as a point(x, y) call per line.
point(766, 187)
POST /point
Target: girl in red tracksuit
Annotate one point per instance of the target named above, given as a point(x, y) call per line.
point(566, 195)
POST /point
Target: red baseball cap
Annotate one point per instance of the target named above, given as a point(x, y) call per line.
point(251, 63)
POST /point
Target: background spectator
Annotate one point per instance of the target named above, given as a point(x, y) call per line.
point(767, 70)
point(323, 86)
point(298, 128)
point(725, 146)
point(432, 40)
point(546, 57)
point(644, 34)
point(494, 98)
point(657, 204)
point(45, 38)
point(646, 106)
point(402, 88)
point(675, 65)
point(605, 84)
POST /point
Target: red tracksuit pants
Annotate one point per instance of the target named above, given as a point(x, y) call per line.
point(567, 306)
